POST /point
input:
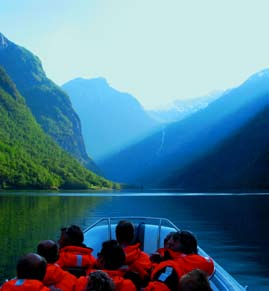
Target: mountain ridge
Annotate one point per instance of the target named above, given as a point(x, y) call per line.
point(29, 158)
point(179, 143)
point(110, 119)
point(223, 168)
point(51, 106)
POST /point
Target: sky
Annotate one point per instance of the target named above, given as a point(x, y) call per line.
point(156, 50)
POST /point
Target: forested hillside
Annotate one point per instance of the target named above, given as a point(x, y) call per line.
point(29, 158)
point(49, 104)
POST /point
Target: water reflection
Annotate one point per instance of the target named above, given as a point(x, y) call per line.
point(25, 220)
point(232, 229)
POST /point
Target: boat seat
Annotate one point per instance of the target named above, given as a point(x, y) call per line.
point(149, 236)
point(154, 237)
point(139, 235)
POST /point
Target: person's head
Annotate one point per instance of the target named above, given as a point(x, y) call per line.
point(195, 280)
point(166, 242)
point(183, 241)
point(31, 266)
point(125, 232)
point(111, 256)
point(49, 250)
point(71, 235)
point(100, 281)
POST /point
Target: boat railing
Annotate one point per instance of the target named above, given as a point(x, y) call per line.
point(151, 232)
point(159, 226)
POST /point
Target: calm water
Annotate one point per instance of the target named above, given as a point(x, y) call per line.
point(233, 229)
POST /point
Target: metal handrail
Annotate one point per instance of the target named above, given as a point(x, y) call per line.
point(220, 274)
point(159, 221)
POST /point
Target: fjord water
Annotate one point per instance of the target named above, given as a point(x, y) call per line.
point(233, 229)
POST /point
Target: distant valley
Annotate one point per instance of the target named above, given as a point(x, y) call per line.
point(182, 108)
point(111, 120)
point(176, 156)
point(86, 134)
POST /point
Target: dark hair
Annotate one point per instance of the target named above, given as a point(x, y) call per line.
point(168, 237)
point(73, 234)
point(195, 280)
point(112, 254)
point(100, 281)
point(125, 232)
point(188, 242)
point(49, 250)
point(31, 266)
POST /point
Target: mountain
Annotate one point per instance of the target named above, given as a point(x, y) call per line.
point(29, 158)
point(157, 158)
point(239, 162)
point(182, 108)
point(110, 119)
point(49, 104)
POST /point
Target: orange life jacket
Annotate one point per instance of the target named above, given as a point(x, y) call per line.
point(163, 254)
point(137, 260)
point(156, 286)
point(121, 284)
point(81, 283)
point(164, 275)
point(166, 252)
point(183, 264)
point(59, 278)
point(74, 256)
point(194, 261)
point(24, 285)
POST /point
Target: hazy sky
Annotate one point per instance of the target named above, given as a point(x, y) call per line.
point(157, 50)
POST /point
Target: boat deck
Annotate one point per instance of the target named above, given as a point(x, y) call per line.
point(151, 231)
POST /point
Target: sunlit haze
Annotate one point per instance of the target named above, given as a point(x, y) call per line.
point(156, 50)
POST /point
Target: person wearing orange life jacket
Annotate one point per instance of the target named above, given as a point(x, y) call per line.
point(162, 253)
point(184, 249)
point(31, 270)
point(55, 275)
point(165, 279)
point(137, 260)
point(110, 259)
point(74, 255)
point(183, 255)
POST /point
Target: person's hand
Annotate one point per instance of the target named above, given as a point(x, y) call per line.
point(156, 257)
